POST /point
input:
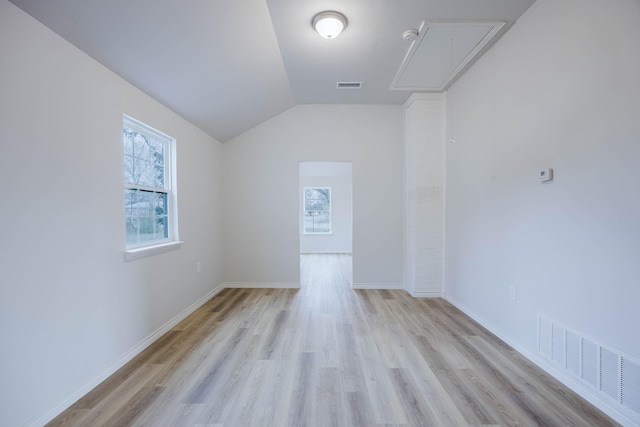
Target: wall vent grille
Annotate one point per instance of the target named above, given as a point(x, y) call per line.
point(630, 376)
point(574, 361)
point(558, 348)
point(590, 363)
point(606, 371)
point(609, 378)
point(349, 85)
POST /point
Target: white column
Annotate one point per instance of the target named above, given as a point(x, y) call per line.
point(424, 194)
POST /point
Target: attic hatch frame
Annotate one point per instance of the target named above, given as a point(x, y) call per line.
point(425, 27)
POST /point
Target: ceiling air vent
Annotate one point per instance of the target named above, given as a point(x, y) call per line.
point(349, 85)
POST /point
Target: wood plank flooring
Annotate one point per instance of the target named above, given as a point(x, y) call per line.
point(327, 355)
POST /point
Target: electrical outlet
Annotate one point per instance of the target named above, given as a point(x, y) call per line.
point(198, 267)
point(512, 293)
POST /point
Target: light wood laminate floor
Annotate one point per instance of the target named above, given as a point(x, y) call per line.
point(327, 355)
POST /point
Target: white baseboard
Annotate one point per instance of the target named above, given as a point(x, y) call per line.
point(73, 397)
point(377, 286)
point(262, 285)
point(608, 408)
point(425, 294)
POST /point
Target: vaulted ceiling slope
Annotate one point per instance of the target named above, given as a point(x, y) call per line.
point(228, 65)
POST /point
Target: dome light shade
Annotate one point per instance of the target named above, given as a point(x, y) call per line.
point(329, 24)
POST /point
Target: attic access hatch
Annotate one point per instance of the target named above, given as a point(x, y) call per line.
point(441, 52)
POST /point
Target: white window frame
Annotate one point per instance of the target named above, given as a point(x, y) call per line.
point(171, 242)
point(304, 210)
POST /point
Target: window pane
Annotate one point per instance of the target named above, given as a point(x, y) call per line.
point(143, 160)
point(317, 199)
point(157, 151)
point(145, 173)
point(128, 170)
point(130, 199)
point(146, 216)
point(317, 222)
point(317, 210)
point(156, 160)
point(140, 145)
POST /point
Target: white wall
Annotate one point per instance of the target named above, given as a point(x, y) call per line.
point(70, 307)
point(339, 241)
point(261, 169)
point(560, 89)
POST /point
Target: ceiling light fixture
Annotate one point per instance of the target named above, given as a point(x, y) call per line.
point(329, 24)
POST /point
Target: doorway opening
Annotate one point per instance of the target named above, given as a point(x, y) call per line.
point(326, 224)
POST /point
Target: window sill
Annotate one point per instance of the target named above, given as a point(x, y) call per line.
point(137, 253)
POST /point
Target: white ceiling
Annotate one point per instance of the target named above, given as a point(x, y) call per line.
point(228, 65)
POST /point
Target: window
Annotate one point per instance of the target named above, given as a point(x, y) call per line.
point(148, 198)
point(317, 210)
